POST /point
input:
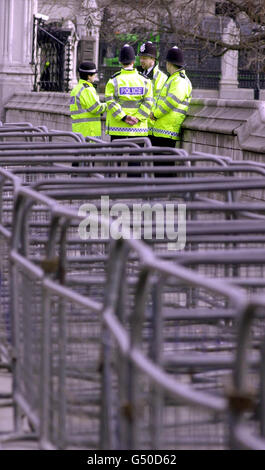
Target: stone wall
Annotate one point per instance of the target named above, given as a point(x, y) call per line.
point(232, 128)
point(15, 48)
point(49, 109)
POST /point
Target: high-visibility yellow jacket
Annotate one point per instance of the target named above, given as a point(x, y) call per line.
point(128, 92)
point(158, 81)
point(85, 109)
point(157, 77)
point(171, 106)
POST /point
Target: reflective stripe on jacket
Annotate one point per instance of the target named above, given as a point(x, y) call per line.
point(171, 106)
point(85, 109)
point(128, 92)
point(158, 81)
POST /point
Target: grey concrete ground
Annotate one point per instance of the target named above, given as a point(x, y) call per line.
point(6, 417)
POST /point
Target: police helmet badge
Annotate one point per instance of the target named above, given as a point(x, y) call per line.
point(142, 48)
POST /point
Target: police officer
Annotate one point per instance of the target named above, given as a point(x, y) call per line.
point(45, 78)
point(149, 68)
point(85, 105)
point(172, 103)
point(129, 99)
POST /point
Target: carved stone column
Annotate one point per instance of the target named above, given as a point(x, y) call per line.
point(16, 22)
point(229, 65)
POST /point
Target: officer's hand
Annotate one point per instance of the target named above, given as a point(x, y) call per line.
point(128, 120)
point(134, 119)
point(131, 120)
point(152, 117)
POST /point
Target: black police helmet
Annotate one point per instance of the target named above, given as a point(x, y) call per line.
point(127, 54)
point(175, 56)
point(148, 49)
point(87, 67)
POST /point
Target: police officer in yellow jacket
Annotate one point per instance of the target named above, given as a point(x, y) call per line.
point(85, 105)
point(172, 103)
point(129, 99)
point(149, 68)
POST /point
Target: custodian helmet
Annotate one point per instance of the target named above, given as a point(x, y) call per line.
point(148, 49)
point(127, 54)
point(175, 56)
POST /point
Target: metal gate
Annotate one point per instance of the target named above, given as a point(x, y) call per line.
point(50, 57)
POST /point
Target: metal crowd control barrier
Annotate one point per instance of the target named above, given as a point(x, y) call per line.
point(160, 405)
point(57, 341)
point(247, 420)
point(56, 334)
point(223, 362)
point(171, 347)
point(6, 209)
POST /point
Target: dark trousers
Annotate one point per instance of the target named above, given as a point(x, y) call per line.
point(112, 137)
point(129, 175)
point(163, 142)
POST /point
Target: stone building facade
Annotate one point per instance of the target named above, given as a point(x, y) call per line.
point(82, 19)
point(15, 47)
point(16, 35)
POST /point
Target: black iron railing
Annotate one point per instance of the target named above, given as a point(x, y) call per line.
point(204, 79)
point(199, 78)
point(50, 57)
point(248, 79)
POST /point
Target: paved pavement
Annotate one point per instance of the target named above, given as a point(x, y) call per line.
point(6, 417)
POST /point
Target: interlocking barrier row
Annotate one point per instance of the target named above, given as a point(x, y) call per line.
point(122, 346)
point(49, 343)
point(76, 363)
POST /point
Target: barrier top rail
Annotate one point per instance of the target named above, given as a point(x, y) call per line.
point(137, 151)
point(21, 129)
point(132, 154)
point(200, 185)
point(232, 256)
point(5, 145)
point(137, 140)
point(231, 161)
point(38, 135)
point(17, 124)
point(124, 169)
point(110, 179)
point(198, 154)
